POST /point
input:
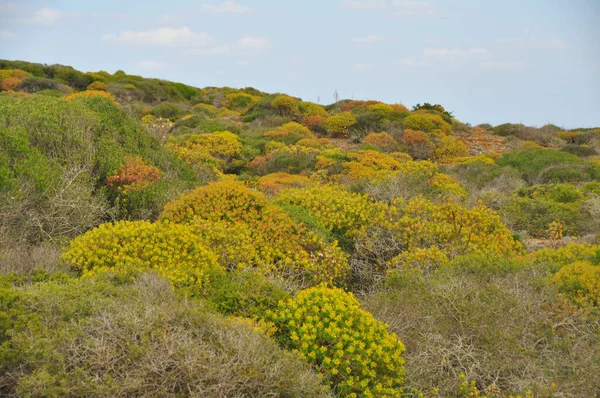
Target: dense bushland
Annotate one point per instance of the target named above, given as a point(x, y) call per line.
point(158, 239)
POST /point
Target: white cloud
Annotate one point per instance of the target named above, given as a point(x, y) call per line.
point(150, 64)
point(400, 8)
point(369, 39)
point(228, 7)
point(510, 65)
point(533, 43)
point(446, 56)
point(216, 50)
point(174, 37)
point(244, 46)
point(5, 34)
point(363, 67)
point(254, 44)
point(45, 17)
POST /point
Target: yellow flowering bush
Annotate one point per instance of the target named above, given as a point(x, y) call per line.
point(374, 166)
point(354, 352)
point(338, 125)
point(336, 208)
point(580, 281)
point(173, 251)
point(559, 257)
point(247, 230)
point(449, 147)
point(216, 149)
point(453, 228)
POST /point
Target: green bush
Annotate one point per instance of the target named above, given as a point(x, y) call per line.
point(579, 150)
point(135, 339)
point(549, 164)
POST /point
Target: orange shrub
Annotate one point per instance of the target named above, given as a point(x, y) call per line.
point(413, 137)
point(134, 175)
point(275, 182)
point(93, 94)
point(10, 83)
point(383, 141)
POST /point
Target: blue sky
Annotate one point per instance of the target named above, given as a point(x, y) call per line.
point(523, 61)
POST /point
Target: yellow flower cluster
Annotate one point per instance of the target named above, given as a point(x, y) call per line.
point(173, 251)
point(247, 230)
point(356, 353)
point(336, 208)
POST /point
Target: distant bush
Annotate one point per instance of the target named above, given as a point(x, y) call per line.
point(355, 352)
point(97, 86)
point(338, 125)
point(167, 110)
point(449, 148)
point(382, 141)
point(36, 84)
point(579, 150)
point(580, 281)
point(536, 164)
point(273, 183)
point(427, 122)
point(10, 83)
point(286, 105)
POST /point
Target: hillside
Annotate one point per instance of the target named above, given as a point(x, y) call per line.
point(158, 239)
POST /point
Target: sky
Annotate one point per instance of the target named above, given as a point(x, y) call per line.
point(520, 61)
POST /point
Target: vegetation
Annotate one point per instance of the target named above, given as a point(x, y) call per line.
point(158, 239)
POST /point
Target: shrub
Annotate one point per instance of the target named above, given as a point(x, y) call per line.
point(427, 122)
point(579, 150)
point(249, 231)
point(100, 86)
point(10, 83)
point(36, 84)
point(289, 133)
point(382, 141)
point(316, 123)
point(336, 209)
point(338, 125)
point(354, 351)
point(580, 281)
point(311, 109)
point(449, 147)
point(286, 105)
point(127, 247)
point(239, 101)
point(534, 163)
point(218, 149)
point(455, 229)
point(167, 110)
point(93, 94)
point(275, 182)
point(414, 136)
point(134, 174)
point(93, 338)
